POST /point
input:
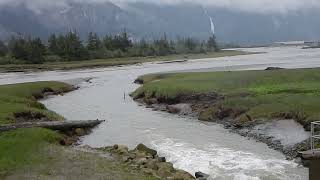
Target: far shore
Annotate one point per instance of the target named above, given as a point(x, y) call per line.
point(100, 63)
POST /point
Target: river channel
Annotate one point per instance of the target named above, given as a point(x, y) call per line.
point(189, 144)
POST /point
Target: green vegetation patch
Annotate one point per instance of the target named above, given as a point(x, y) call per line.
point(22, 148)
point(259, 94)
point(18, 102)
point(35, 154)
point(51, 161)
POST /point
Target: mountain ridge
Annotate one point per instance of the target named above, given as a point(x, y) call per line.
point(146, 20)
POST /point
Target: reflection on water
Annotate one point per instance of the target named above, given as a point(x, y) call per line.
point(188, 143)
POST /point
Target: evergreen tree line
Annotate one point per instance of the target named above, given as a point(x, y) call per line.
point(69, 47)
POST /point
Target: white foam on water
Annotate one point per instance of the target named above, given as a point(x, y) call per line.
point(223, 163)
point(288, 132)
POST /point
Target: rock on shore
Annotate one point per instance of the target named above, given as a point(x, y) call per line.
point(148, 161)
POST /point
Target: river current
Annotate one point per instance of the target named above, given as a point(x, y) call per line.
point(189, 144)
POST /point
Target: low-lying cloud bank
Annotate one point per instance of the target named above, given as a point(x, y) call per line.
point(255, 6)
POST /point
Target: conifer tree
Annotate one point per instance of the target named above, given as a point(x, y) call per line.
point(36, 51)
point(3, 49)
point(53, 45)
point(212, 44)
point(94, 42)
point(18, 48)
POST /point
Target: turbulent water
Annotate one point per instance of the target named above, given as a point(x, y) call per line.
point(288, 132)
point(188, 143)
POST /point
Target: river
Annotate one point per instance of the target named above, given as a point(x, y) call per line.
point(186, 142)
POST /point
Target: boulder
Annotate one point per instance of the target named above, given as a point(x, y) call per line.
point(121, 149)
point(244, 118)
point(273, 68)
point(201, 175)
point(151, 164)
point(153, 101)
point(173, 109)
point(125, 158)
point(140, 154)
point(144, 148)
point(141, 161)
point(222, 113)
point(165, 165)
point(80, 132)
point(132, 156)
point(162, 159)
point(182, 175)
point(66, 141)
point(165, 170)
point(139, 81)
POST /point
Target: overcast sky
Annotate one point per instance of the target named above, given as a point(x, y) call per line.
point(257, 6)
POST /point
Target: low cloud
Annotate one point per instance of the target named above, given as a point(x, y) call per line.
point(255, 6)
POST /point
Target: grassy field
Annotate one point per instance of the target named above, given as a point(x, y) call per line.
point(260, 95)
point(18, 102)
point(111, 62)
point(36, 154)
point(22, 148)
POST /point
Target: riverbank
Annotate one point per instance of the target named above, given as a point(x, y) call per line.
point(99, 63)
point(18, 102)
point(239, 100)
point(37, 153)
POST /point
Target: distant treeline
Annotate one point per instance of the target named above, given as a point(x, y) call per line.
point(69, 47)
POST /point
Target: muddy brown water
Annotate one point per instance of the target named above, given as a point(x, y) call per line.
point(186, 142)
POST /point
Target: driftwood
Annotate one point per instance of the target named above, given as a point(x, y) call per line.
point(310, 155)
point(176, 61)
point(53, 125)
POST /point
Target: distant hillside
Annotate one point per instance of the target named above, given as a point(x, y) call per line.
point(149, 20)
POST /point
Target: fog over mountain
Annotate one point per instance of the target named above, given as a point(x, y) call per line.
point(258, 6)
point(239, 21)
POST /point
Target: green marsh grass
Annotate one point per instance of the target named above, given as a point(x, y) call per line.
point(263, 94)
point(16, 98)
point(22, 148)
